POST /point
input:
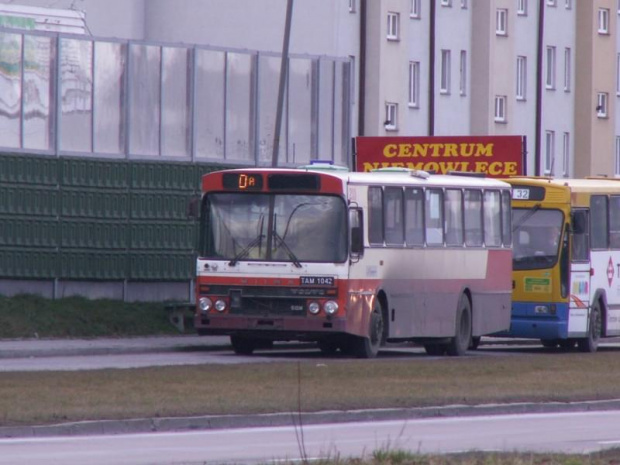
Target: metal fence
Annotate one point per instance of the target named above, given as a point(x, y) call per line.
point(63, 94)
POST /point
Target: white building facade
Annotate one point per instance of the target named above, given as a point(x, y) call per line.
point(413, 68)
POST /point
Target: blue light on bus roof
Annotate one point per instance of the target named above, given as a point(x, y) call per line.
point(327, 165)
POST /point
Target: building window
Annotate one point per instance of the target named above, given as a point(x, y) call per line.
point(501, 22)
point(567, 69)
point(549, 152)
point(391, 116)
point(446, 2)
point(463, 73)
point(550, 76)
point(414, 84)
point(500, 108)
point(522, 7)
point(464, 4)
point(603, 21)
point(602, 99)
point(551, 2)
point(445, 72)
point(568, 4)
point(521, 77)
point(617, 157)
point(416, 9)
point(352, 6)
point(565, 154)
point(392, 26)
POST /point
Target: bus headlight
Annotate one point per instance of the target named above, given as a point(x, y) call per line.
point(220, 305)
point(330, 307)
point(314, 307)
point(205, 304)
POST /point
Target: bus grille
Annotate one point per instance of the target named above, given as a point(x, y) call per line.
point(269, 307)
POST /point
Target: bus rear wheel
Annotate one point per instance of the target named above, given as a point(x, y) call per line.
point(590, 343)
point(461, 341)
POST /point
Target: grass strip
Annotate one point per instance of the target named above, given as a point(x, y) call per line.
point(338, 384)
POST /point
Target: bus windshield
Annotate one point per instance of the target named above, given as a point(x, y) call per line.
point(273, 227)
point(536, 237)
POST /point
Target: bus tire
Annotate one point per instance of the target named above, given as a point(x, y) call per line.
point(461, 341)
point(328, 346)
point(590, 342)
point(242, 345)
point(368, 347)
point(475, 342)
point(567, 344)
point(436, 350)
point(549, 343)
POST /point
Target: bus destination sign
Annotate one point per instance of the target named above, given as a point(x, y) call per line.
point(242, 181)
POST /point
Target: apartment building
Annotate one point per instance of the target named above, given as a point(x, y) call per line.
point(546, 69)
point(596, 78)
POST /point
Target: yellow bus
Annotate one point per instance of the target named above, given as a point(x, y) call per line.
point(566, 261)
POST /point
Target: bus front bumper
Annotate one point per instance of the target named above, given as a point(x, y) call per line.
point(528, 322)
point(274, 327)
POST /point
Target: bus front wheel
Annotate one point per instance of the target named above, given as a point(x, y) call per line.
point(368, 347)
point(243, 345)
point(461, 341)
point(590, 343)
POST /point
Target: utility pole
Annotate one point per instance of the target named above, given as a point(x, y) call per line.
point(283, 75)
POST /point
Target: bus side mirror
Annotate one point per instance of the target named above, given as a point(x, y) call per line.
point(357, 231)
point(193, 207)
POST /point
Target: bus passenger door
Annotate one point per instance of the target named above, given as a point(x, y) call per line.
point(580, 274)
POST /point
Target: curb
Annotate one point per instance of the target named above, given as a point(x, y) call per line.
point(214, 422)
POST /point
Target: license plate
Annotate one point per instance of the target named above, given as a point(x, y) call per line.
point(317, 280)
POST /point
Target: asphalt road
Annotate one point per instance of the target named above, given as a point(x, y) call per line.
point(36, 355)
point(580, 433)
point(95, 354)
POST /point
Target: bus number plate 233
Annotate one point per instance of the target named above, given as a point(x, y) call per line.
point(316, 280)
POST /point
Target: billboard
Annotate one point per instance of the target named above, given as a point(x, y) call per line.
point(494, 156)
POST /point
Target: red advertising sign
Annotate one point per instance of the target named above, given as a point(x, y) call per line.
point(495, 156)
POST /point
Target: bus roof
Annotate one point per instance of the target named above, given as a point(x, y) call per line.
point(584, 185)
point(396, 177)
point(566, 190)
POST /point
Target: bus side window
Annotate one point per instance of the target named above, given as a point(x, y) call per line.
point(492, 219)
point(454, 217)
point(414, 217)
point(506, 219)
point(375, 215)
point(599, 227)
point(580, 235)
point(614, 222)
point(473, 218)
point(434, 216)
point(393, 215)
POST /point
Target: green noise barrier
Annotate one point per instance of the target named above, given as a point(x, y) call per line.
point(94, 219)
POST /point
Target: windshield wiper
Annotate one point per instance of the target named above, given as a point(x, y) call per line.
point(257, 241)
point(287, 249)
point(526, 216)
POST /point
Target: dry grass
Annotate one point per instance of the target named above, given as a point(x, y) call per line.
point(609, 457)
point(339, 384)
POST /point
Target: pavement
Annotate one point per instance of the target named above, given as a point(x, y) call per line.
point(17, 348)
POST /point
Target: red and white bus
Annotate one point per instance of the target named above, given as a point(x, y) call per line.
point(352, 260)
